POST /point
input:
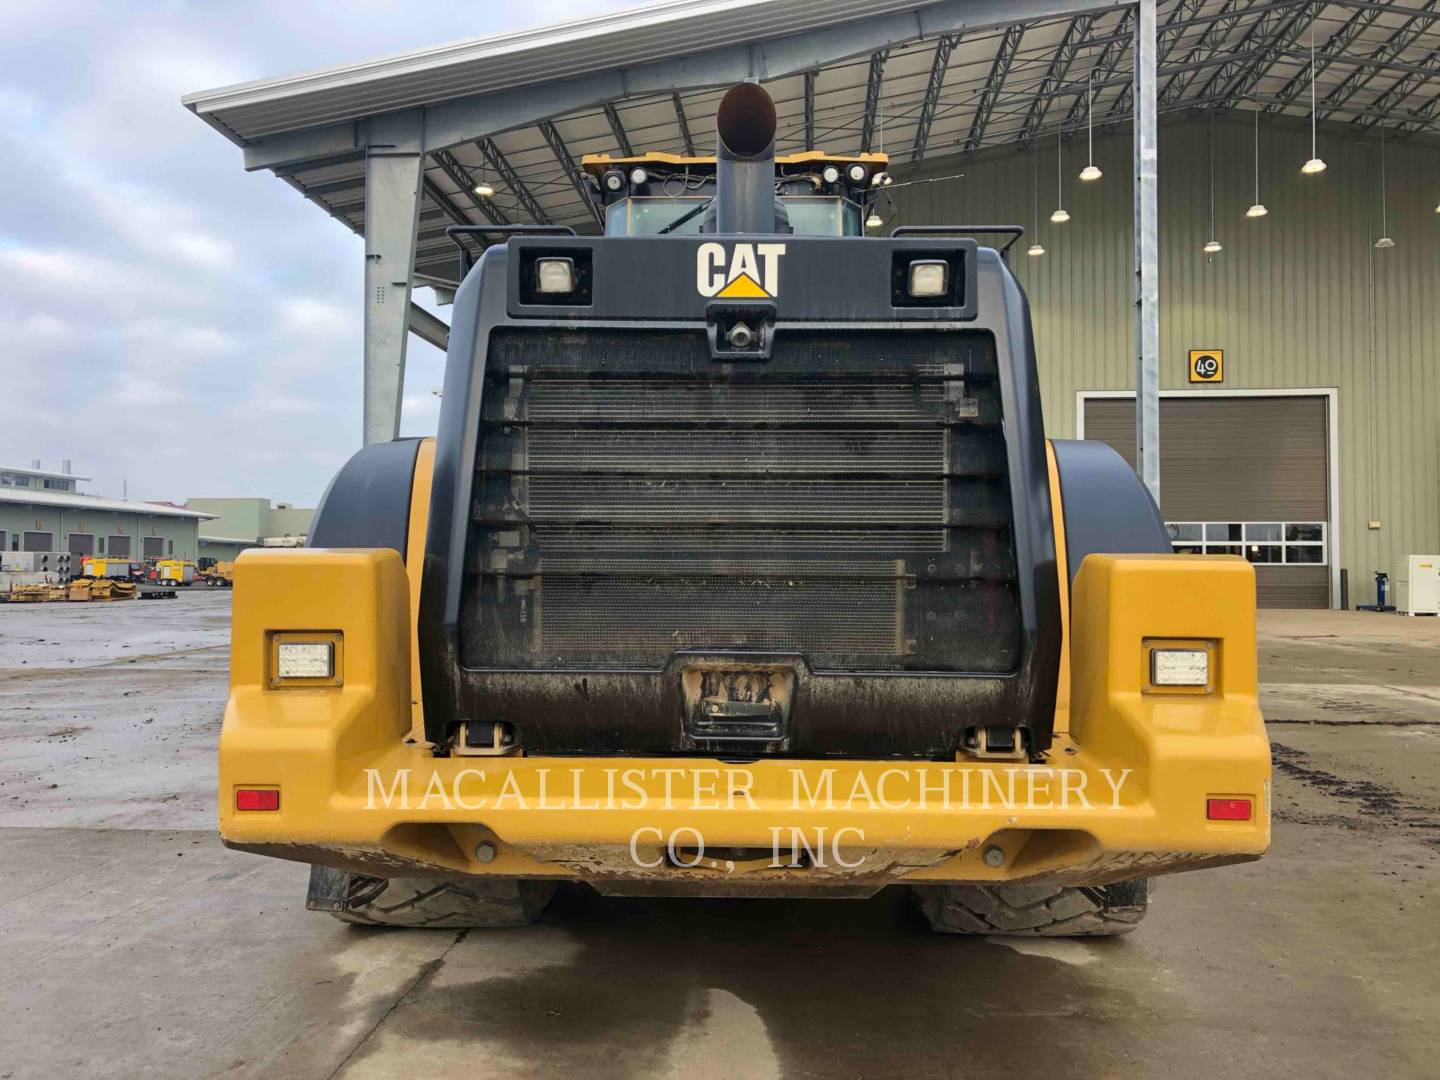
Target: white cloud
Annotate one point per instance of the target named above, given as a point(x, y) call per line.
point(306, 315)
point(211, 317)
point(202, 249)
point(52, 266)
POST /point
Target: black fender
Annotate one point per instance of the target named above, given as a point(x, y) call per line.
point(1107, 509)
point(367, 504)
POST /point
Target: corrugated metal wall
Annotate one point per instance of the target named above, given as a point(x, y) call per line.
point(1289, 299)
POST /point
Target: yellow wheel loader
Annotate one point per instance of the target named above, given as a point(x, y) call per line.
point(740, 565)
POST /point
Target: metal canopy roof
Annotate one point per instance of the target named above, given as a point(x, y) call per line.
point(920, 80)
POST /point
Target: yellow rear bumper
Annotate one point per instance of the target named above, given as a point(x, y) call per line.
point(1122, 793)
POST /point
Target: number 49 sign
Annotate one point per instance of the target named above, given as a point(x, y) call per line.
point(1207, 366)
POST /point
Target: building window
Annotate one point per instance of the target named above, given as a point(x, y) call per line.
point(22, 481)
point(1267, 542)
point(57, 485)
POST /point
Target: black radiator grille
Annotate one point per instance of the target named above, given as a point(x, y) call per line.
point(847, 500)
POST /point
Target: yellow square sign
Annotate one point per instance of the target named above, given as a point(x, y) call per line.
point(1207, 365)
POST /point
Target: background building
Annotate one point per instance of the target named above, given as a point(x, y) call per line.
point(33, 518)
point(1310, 443)
point(37, 479)
point(242, 523)
point(1322, 435)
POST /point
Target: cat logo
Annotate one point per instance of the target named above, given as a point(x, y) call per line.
point(749, 272)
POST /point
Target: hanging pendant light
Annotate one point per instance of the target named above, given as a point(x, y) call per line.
point(1315, 164)
point(1384, 241)
point(1212, 245)
point(1257, 210)
point(873, 221)
point(1091, 171)
point(1036, 248)
point(482, 186)
point(1060, 215)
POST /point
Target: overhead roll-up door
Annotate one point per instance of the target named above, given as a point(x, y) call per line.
point(1241, 475)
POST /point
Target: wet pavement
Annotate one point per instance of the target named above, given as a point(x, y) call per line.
point(134, 944)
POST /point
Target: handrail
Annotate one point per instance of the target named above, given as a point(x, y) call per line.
point(1015, 232)
point(454, 232)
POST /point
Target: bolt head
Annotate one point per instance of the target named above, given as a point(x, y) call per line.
point(994, 856)
point(485, 852)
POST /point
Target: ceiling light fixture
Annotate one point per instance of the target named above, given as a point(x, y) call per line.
point(1036, 248)
point(1257, 210)
point(1212, 246)
point(1384, 241)
point(1091, 171)
point(1060, 214)
point(1315, 164)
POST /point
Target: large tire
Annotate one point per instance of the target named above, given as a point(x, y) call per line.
point(442, 905)
point(1035, 910)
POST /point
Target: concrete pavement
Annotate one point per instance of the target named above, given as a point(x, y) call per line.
point(134, 944)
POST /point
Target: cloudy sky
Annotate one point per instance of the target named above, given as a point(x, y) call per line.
point(168, 320)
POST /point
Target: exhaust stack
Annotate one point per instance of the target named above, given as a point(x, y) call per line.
point(745, 161)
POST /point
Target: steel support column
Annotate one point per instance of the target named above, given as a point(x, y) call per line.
point(1147, 262)
point(393, 170)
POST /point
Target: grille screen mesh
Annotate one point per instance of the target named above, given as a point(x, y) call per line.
point(847, 500)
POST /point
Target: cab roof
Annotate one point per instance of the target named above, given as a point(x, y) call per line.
point(597, 164)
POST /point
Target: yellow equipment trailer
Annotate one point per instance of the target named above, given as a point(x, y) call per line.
point(741, 566)
point(171, 572)
point(216, 573)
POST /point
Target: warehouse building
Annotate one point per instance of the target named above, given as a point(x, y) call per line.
point(37, 479)
point(35, 516)
point(241, 523)
point(1316, 444)
point(1232, 207)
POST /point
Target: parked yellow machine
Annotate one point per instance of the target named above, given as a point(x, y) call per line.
point(776, 589)
point(216, 573)
point(98, 566)
point(174, 572)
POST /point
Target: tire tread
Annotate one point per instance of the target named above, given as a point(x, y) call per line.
point(449, 905)
point(1035, 910)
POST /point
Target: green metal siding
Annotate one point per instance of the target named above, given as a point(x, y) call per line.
point(17, 518)
point(1289, 299)
point(288, 521)
point(220, 550)
point(240, 518)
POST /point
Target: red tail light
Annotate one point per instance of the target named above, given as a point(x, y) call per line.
point(257, 799)
point(1222, 809)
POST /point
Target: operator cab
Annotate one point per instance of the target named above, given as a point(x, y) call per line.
point(817, 194)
